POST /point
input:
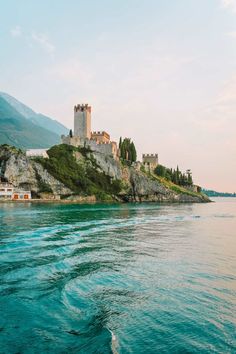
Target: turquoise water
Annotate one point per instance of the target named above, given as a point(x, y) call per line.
point(143, 278)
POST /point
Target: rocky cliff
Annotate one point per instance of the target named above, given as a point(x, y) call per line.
point(79, 173)
point(27, 174)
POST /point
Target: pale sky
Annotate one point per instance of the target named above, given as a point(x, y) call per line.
point(162, 72)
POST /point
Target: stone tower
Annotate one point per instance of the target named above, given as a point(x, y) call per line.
point(82, 121)
point(150, 161)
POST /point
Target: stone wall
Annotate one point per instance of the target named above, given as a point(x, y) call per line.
point(109, 149)
point(74, 141)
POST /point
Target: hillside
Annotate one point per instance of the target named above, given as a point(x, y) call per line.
point(22, 127)
point(212, 193)
point(74, 173)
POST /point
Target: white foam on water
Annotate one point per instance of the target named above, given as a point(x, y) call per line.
point(114, 342)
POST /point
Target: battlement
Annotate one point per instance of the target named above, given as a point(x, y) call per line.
point(82, 107)
point(150, 155)
point(100, 133)
point(100, 136)
point(103, 142)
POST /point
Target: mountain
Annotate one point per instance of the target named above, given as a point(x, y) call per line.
point(211, 193)
point(36, 118)
point(24, 128)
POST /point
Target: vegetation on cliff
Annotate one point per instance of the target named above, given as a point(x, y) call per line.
point(176, 176)
point(82, 175)
point(180, 189)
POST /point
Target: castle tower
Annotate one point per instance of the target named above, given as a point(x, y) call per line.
point(82, 121)
point(150, 161)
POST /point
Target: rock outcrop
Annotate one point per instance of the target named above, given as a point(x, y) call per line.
point(139, 187)
point(24, 173)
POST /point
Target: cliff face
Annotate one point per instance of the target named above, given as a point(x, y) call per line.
point(140, 187)
point(26, 174)
point(73, 174)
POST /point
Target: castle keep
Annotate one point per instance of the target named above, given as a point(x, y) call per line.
point(83, 136)
point(82, 121)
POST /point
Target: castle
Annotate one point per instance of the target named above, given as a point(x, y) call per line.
point(83, 136)
point(100, 140)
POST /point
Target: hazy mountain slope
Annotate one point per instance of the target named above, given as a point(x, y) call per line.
point(16, 130)
point(36, 118)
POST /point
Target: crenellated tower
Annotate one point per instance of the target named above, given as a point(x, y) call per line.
point(82, 121)
point(82, 136)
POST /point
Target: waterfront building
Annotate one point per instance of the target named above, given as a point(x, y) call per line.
point(21, 195)
point(8, 192)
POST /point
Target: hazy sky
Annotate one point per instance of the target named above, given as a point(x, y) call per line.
point(162, 72)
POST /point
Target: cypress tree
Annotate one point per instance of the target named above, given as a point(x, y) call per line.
point(120, 143)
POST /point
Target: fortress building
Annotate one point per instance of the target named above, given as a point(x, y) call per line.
point(82, 121)
point(82, 135)
point(150, 161)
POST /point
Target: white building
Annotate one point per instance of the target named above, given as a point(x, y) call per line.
point(21, 195)
point(37, 153)
point(7, 192)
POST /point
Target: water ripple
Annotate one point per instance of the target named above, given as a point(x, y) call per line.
point(117, 278)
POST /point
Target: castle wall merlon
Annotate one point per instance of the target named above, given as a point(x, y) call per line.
point(150, 155)
point(82, 107)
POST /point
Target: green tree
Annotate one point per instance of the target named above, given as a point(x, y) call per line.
point(120, 143)
point(177, 174)
point(127, 150)
point(189, 178)
point(160, 171)
point(133, 152)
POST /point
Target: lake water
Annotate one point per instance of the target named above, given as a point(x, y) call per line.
point(131, 278)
